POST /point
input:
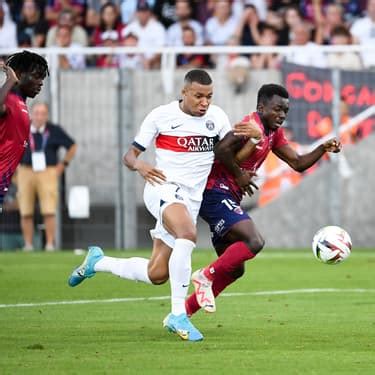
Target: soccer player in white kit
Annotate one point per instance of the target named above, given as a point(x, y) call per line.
point(185, 133)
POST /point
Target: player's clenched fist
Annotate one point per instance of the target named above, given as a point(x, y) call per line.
point(332, 145)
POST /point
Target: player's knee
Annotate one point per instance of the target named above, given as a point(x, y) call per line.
point(256, 243)
point(188, 234)
point(239, 271)
point(158, 278)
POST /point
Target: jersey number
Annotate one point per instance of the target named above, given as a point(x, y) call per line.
point(230, 204)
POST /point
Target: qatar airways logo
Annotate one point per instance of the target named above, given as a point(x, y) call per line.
point(196, 144)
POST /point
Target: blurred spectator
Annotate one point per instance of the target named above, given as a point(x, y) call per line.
point(268, 37)
point(276, 20)
point(204, 10)
point(220, 28)
point(333, 17)
point(222, 25)
point(312, 9)
point(8, 30)
point(55, 7)
point(67, 18)
point(24, 41)
point(340, 35)
point(110, 60)
point(276, 176)
point(73, 59)
point(353, 9)
point(128, 9)
point(38, 174)
point(363, 31)
point(282, 5)
point(31, 25)
point(92, 16)
point(291, 17)
point(110, 26)
point(130, 60)
point(237, 67)
point(165, 11)
point(247, 28)
point(310, 55)
point(149, 31)
point(260, 6)
point(188, 60)
point(184, 13)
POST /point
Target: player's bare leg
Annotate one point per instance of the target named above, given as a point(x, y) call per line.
point(244, 242)
point(153, 271)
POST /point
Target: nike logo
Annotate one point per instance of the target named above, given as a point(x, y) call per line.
point(176, 126)
point(185, 286)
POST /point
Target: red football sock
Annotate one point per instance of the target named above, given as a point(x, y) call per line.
point(220, 272)
point(229, 261)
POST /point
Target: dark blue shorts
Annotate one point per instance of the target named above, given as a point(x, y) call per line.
point(221, 211)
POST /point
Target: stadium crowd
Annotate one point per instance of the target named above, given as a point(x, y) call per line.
point(149, 23)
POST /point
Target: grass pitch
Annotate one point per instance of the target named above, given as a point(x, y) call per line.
point(312, 319)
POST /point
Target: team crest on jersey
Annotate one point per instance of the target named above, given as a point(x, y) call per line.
point(210, 125)
point(238, 210)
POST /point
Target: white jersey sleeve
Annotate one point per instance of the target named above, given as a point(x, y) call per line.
point(147, 132)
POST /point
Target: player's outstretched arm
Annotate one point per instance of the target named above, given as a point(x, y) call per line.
point(302, 162)
point(11, 80)
point(147, 171)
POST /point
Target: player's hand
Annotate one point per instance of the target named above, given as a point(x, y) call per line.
point(332, 145)
point(246, 184)
point(10, 74)
point(248, 129)
point(149, 173)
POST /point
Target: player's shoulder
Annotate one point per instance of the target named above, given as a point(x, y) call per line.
point(164, 109)
point(216, 110)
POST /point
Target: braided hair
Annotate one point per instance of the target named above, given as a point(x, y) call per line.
point(27, 62)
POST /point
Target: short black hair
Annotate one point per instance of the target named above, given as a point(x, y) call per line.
point(266, 92)
point(198, 75)
point(27, 62)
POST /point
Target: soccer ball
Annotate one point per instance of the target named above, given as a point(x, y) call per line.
point(331, 245)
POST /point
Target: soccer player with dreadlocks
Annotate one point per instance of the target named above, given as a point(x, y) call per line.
point(25, 72)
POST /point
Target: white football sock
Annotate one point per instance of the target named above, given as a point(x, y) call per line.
point(127, 268)
point(179, 274)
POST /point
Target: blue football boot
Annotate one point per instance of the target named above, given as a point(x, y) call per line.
point(86, 269)
point(181, 325)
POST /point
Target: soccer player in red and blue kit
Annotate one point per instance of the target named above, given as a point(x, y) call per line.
point(25, 72)
point(234, 235)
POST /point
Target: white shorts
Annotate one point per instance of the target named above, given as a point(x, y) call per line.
point(158, 197)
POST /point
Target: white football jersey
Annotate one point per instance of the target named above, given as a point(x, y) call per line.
point(184, 143)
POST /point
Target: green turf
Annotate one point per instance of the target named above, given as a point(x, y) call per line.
point(304, 333)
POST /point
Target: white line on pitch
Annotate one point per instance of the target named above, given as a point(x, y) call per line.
point(138, 299)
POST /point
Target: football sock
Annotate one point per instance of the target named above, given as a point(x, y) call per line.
point(126, 268)
point(179, 273)
point(218, 285)
point(229, 261)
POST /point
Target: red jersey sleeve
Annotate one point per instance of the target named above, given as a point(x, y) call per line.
point(279, 139)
